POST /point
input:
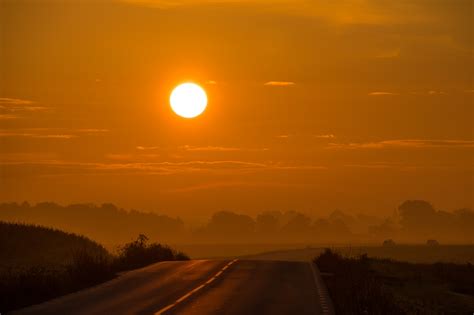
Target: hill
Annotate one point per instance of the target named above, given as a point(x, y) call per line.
point(39, 263)
point(24, 246)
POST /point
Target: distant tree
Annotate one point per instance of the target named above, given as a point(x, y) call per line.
point(266, 224)
point(298, 225)
point(417, 216)
point(231, 225)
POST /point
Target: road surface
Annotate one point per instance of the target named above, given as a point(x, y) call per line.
point(201, 287)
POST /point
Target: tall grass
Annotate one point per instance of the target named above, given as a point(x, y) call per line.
point(139, 253)
point(21, 287)
point(363, 285)
point(82, 263)
point(354, 287)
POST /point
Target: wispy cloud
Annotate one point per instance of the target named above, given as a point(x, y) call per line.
point(433, 92)
point(223, 167)
point(208, 148)
point(91, 130)
point(280, 83)
point(18, 105)
point(36, 135)
point(405, 143)
point(132, 157)
point(219, 149)
point(49, 133)
point(14, 101)
point(426, 93)
point(8, 116)
point(144, 148)
point(381, 93)
point(328, 136)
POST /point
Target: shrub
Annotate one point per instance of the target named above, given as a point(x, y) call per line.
point(89, 265)
point(88, 269)
point(139, 253)
point(354, 287)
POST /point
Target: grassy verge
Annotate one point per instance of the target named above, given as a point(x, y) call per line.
point(24, 286)
point(363, 285)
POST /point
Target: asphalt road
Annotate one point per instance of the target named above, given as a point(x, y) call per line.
point(200, 287)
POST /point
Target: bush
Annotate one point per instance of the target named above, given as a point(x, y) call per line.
point(87, 266)
point(27, 286)
point(88, 269)
point(354, 287)
point(139, 253)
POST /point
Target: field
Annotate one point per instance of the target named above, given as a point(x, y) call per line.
point(39, 263)
point(407, 253)
point(366, 285)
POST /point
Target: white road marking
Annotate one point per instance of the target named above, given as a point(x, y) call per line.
point(187, 295)
point(325, 300)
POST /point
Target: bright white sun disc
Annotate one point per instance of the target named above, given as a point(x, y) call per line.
point(188, 100)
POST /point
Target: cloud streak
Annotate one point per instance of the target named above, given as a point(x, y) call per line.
point(49, 133)
point(225, 167)
point(14, 101)
point(18, 105)
point(328, 136)
point(381, 93)
point(7, 116)
point(218, 149)
point(280, 83)
point(39, 136)
point(144, 148)
point(405, 143)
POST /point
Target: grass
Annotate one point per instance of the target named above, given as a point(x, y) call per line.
point(78, 263)
point(24, 245)
point(363, 285)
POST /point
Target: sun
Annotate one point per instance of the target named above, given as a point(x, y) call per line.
point(188, 100)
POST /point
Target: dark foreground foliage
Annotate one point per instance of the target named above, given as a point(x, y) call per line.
point(362, 285)
point(27, 286)
point(22, 285)
point(27, 245)
point(139, 254)
point(354, 287)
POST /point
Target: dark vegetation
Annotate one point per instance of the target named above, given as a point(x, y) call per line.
point(416, 221)
point(24, 245)
point(139, 253)
point(363, 285)
point(39, 263)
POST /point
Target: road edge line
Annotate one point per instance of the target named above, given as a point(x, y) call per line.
point(325, 301)
point(198, 288)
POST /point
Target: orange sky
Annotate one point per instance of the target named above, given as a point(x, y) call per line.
point(313, 105)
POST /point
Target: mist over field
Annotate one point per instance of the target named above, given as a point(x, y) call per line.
point(415, 221)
